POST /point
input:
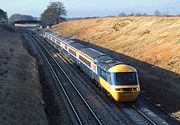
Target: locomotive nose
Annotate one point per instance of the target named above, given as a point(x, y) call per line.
point(125, 96)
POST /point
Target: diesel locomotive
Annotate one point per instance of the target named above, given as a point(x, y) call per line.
point(117, 78)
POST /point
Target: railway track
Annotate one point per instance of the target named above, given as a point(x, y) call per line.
point(135, 115)
point(81, 109)
point(145, 116)
point(134, 112)
point(157, 114)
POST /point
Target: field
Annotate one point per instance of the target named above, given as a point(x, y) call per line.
point(151, 44)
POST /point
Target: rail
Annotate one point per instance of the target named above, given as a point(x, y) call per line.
point(61, 85)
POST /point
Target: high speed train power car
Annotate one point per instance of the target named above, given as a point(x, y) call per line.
point(116, 77)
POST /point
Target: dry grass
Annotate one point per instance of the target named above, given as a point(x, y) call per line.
point(20, 100)
point(152, 44)
point(154, 40)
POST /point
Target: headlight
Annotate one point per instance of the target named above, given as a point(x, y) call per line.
point(127, 89)
point(119, 89)
point(138, 89)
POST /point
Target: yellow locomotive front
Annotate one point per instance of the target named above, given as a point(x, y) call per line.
point(124, 83)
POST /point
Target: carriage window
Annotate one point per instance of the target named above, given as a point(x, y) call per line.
point(58, 41)
point(85, 61)
point(72, 52)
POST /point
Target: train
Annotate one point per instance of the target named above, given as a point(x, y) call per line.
point(117, 78)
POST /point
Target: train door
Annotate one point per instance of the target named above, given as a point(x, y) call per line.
point(94, 71)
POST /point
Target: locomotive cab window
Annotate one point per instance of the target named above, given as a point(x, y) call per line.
point(127, 78)
point(103, 74)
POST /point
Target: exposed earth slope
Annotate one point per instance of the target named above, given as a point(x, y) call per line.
point(155, 40)
point(20, 89)
point(151, 44)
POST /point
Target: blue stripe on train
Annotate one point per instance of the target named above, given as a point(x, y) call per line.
point(76, 61)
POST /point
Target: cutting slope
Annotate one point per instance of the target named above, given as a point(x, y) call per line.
point(20, 89)
point(151, 44)
point(155, 40)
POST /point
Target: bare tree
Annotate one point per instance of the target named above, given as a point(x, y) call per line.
point(3, 15)
point(54, 13)
point(122, 14)
point(145, 14)
point(18, 17)
point(138, 14)
point(132, 14)
point(166, 13)
point(157, 13)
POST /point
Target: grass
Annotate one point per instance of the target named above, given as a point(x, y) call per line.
point(177, 42)
point(147, 32)
point(152, 40)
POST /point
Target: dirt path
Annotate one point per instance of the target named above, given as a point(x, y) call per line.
point(20, 89)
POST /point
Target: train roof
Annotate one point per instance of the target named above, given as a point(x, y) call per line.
point(77, 45)
point(106, 62)
point(67, 41)
point(92, 53)
point(61, 38)
point(52, 33)
point(102, 60)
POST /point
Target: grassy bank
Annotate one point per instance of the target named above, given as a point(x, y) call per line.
point(151, 44)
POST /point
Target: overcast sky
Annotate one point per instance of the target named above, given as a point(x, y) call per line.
point(85, 8)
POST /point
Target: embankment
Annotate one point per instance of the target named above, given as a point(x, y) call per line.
point(20, 89)
point(151, 44)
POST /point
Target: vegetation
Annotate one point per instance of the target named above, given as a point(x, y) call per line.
point(3, 14)
point(18, 17)
point(156, 13)
point(54, 13)
point(151, 44)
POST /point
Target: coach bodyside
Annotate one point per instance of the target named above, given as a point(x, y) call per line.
point(102, 68)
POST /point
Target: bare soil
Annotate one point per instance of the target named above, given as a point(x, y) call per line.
point(151, 44)
point(20, 89)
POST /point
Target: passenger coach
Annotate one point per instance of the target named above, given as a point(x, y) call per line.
point(117, 78)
